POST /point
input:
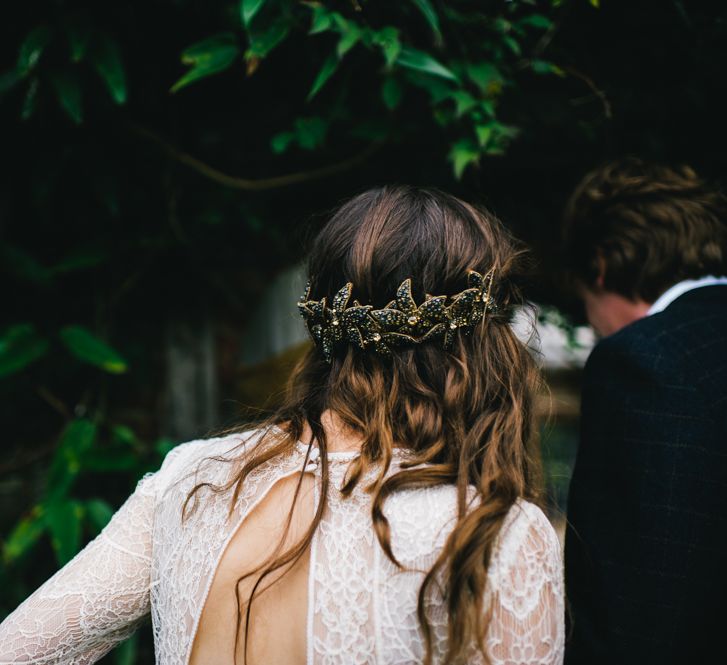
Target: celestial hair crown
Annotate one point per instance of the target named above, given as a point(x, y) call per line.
point(401, 322)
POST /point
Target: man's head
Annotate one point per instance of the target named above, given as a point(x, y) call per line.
point(633, 229)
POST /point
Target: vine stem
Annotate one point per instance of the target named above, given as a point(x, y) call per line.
point(255, 184)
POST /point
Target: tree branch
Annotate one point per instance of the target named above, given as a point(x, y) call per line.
point(17, 462)
point(607, 110)
point(250, 184)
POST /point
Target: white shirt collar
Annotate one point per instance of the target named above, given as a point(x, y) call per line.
point(679, 289)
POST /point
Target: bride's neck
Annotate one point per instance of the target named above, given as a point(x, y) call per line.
point(338, 437)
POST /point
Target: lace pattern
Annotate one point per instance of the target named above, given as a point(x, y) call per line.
point(95, 601)
point(362, 608)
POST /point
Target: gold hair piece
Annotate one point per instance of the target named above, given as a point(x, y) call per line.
point(402, 322)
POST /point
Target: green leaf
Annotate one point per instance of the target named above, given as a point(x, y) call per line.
point(502, 25)
point(438, 89)
point(19, 263)
point(484, 132)
point(500, 138)
point(348, 40)
point(124, 435)
point(327, 70)
point(391, 93)
point(340, 23)
point(427, 10)
point(463, 153)
point(423, 62)
point(68, 90)
point(32, 48)
point(64, 523)
point(80, 259)
point(99, 513)
point(280, 142)
point(537, 21)
point(321, 22)
point(207, 57)
point(20, 345)
point(9, 80)
point(126, 652)
point(262, 43)
point(204, 49)
point(545, 67)
point(488, 107)
point(310, 132)
point(463, 101)
point(512, 44)
point(163, 446)
point(108, 63)
point(78, 31)
point(75, 443)
point(87, 347)
point(596, 3)
point(248, 9)
point(25, 534)
point(30, 101)
point(485, 76)
point(387, 39)
point(109, 460)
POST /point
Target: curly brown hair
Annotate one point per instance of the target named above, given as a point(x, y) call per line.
point(648, 224)
point(466, 412)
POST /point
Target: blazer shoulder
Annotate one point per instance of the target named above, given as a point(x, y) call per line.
point(645, 346)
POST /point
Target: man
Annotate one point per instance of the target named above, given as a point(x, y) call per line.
point(646, 545)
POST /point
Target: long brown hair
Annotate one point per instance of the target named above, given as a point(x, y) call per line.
point(467, 412)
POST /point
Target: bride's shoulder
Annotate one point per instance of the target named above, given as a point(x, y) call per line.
point(525, 514)
point(193, 457)
point(527, 541)
point(525, 574)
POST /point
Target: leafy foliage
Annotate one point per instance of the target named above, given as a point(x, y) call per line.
point(19, 347)
point(464, 65)
point(463, 79)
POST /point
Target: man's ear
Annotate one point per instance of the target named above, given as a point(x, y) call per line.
point(601, 278)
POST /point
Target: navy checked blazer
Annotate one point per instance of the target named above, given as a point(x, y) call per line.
point(646, 544)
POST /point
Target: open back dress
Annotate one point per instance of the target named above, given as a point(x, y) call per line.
point(358, 606)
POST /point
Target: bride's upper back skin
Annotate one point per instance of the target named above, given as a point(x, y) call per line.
point(386, 512)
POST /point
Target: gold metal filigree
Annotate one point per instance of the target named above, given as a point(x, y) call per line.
point(401, 322)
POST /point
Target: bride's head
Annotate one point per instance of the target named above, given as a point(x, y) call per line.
point(461, 400)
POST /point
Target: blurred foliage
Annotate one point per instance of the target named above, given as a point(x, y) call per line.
point(462, 82)
point(162, 158)
point(462, 56)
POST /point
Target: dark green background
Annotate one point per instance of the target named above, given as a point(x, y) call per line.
point(116, 215)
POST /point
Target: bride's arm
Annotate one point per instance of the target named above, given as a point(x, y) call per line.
point(96, 600)
point(527, 624)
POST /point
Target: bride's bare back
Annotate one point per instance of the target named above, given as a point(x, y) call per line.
point(278, 620)
point(277, 632)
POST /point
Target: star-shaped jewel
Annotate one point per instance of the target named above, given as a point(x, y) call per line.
point(470, 305)
point(405, 318)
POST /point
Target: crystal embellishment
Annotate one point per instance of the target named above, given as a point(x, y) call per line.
point(401, 322)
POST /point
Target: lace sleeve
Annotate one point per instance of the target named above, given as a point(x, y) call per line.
point(527, 624)
point(96, 600)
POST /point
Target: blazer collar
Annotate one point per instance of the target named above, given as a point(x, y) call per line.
point(681, 288)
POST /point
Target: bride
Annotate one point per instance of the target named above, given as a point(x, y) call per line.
point(385, 513)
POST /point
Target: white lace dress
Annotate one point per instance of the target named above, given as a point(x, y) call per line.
point(361, 608)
